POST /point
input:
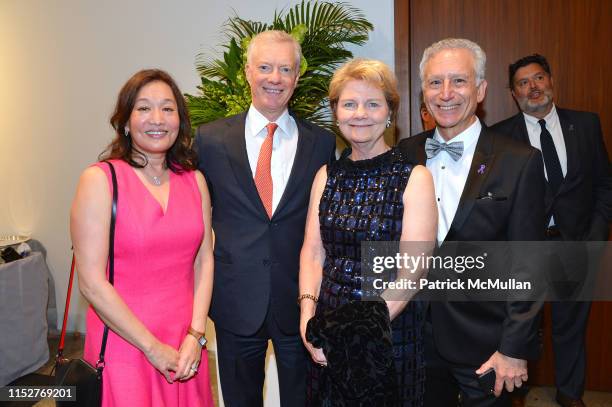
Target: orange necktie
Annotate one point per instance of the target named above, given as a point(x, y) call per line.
point(263, 174)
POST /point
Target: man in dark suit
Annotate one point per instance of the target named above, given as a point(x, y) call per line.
point(259, 166)
point(488, 188)
point(578, 197)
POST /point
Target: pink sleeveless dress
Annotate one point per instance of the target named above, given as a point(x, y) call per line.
point(154, 275)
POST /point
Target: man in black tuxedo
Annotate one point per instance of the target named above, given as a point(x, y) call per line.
point(488, 188)
point(259, 166)
point(578, 197)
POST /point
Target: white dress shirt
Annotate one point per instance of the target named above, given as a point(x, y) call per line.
point(283, 148)
point(554, 127)
point(449, 176)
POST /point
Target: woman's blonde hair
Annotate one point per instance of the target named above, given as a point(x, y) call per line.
point(374, 72)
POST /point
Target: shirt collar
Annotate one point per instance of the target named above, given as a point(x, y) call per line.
point(549, 118)
point(257, 121)
point(469, 136)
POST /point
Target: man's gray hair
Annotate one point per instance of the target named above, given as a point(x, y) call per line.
point(275, 36)
point(480, 58)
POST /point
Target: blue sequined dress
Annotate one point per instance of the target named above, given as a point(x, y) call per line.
point(362, 200)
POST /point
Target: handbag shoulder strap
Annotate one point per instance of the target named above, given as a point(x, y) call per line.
point(111, 276)
point(111, 259)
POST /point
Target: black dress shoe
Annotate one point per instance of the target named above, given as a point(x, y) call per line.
point(565, 401)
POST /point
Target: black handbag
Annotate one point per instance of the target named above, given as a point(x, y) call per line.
point(357, 342)
point(77, 372)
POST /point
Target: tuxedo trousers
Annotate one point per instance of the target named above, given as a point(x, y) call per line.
point(451, 385)
point(569, 324)
point(569, 321)
point(242, 364)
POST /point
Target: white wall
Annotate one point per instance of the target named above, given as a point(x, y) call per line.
point(62, 63)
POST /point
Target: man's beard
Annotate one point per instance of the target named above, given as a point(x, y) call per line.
point(528, 106)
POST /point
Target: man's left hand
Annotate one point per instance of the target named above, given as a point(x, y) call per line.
point(509, 371)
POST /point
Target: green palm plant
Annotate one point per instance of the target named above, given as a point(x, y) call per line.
point(322, 28)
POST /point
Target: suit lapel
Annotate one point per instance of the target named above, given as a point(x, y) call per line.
point(573, 163)
point(570, 138)
point(235, 146)
point(479, 171)
point(303, 154)
point(416, 153)
point(421, 157)
point(521, 129)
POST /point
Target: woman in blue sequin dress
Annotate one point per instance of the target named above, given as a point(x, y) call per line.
point(373, 194)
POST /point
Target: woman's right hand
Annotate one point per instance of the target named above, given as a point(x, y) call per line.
point(312, 258)
point(164, 358)
point(316, 354)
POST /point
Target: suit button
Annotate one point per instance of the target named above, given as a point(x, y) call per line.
point(266, 262)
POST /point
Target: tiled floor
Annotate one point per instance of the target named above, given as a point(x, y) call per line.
point(537, 396)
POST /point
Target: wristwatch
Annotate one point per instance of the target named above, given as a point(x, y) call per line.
point(198, 335)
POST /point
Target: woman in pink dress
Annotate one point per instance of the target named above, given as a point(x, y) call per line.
point(157, 308)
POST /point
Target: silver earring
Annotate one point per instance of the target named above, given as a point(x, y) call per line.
point(338, 123)
point(126, 132)
point(388, 124)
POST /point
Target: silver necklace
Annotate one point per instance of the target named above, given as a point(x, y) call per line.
point(156, 180)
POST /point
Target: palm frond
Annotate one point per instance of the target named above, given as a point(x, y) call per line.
point(323, 29)
point(239, 28)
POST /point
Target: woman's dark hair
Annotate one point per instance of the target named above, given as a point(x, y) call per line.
point(180, 156)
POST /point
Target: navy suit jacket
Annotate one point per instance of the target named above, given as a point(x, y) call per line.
point(582, 207)
point(468, 333)
point(256, 258)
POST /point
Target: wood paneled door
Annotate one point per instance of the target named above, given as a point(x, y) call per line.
point(575, 36)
